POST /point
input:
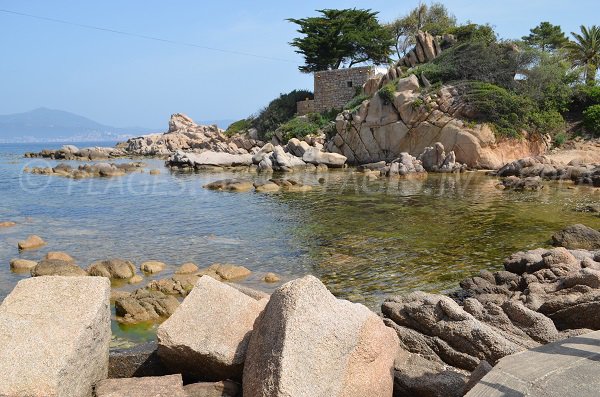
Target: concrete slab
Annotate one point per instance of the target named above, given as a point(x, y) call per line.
point(570, 367)
point(54, 336)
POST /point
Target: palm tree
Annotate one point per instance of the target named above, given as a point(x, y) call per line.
point(584, 51)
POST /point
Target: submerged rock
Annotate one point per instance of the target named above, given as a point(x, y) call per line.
point(230, 185)
point(145, 305)
point(31, 242)
point(55, 267)
point(577, 237)
point(112, 268)
point(7, 224)
point(531, 183)
point(153, 267)
point(22, 264)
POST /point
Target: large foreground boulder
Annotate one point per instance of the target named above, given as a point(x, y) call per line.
point(54, 336)
point(208, 334)
point(308, 343)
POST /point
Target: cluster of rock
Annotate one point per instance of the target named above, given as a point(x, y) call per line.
point(154, 302)
point(270, 186)
point(104, 170)
point(542, 296)
point(546, 168)
point(426, 49)
point(532, 183)
point(433, 159)
point(293, 156)
point(71, 152)
point(185, 135)
point(301, 340)
point(410, 120)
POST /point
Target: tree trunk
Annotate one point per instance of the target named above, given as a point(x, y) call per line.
point(590, 74)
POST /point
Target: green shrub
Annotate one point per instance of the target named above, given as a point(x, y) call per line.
point(387, 92)
point(238, 126)
point(301, 126)
point(505, 110)
point(473, 32)
point(591, 119)
point(547, 122)
point(495, 63)
point(560, 139)
point(279, 111)
point(585, 96)
point(355, 102)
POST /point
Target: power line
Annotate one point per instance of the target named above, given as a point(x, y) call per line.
point(145, 37)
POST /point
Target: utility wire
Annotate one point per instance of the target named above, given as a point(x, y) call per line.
point(142, 36)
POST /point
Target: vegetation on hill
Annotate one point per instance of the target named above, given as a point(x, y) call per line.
point(341, 37)
point(530, 84)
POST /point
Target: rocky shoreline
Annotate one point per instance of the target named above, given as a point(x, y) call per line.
point(232, 338)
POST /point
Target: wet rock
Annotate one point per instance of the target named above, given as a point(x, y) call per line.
point(31, 242)
point(145, 305)
point(230, 185)
point(225, 272)
point(112, 268)
point(161, 386)
point(152, 267)
point(61, 256)
point(208, 334)
point(577, 237)
point(187, 268)
point(532, 183)
point(22, 264)
point(266, 187)
point(135, 279)
point(54, 336)
point(307, 342)
point(271, 278)
point(290, 185)
point(55, 267)
point(155, 172)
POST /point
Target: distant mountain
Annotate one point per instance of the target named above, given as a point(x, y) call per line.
point(49, 125)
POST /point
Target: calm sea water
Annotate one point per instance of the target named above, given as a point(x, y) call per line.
point(363, 239)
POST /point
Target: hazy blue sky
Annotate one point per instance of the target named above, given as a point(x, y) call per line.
point(127, 81)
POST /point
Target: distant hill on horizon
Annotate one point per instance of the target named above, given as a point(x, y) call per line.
point(50, 125)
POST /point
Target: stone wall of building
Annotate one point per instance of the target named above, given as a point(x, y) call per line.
point(334, 88)
point(305, 107)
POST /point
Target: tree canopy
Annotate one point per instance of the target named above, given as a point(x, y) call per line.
point(546, 37)
point(340, 38)
point(434, 19)
point(584, 51)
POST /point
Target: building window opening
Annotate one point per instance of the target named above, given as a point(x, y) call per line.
point(349, 84)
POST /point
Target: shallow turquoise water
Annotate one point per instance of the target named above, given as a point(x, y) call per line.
point(364, 239)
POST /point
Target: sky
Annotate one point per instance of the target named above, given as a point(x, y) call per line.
point(123, 80)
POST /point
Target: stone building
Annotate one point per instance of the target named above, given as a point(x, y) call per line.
point(334, 88)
